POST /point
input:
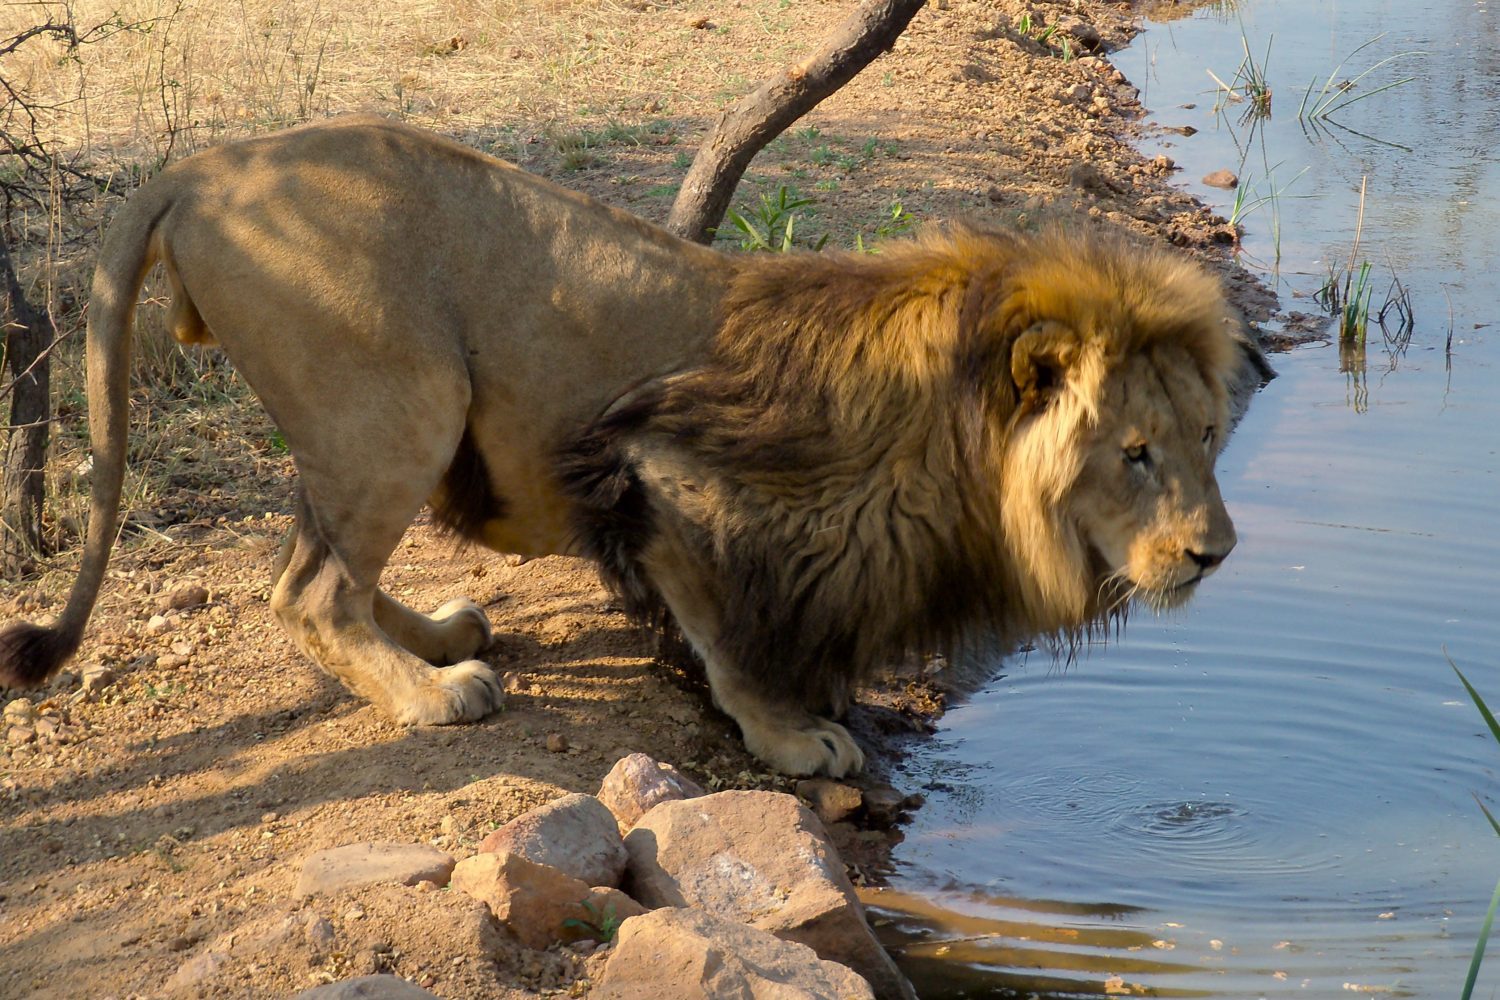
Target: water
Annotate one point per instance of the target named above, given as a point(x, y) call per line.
point(1270, 793)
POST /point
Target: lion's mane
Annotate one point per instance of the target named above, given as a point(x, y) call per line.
point(859, 489)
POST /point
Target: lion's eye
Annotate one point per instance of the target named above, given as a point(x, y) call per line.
point(1208, 434)
point(1137, 454)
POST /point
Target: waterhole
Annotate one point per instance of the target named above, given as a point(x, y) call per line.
point(1271, 792)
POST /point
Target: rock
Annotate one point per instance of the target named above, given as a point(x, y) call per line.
point(380, 987)
point(159, 625)
point(539, 904)
point(1080, 93)
point(1081, 31)
point(1222, 179)
point(184, 597)
point(883, 805)
point(195, 970)
point(16, 736)
point(575, 834)
point(318, 933)
point(183, 649)
point(762, 858)
point(366, 863)
point(557, 742)
point(97, 677)
point(690, 955)
point(19, 712)
point(638, 782)
point(833, 801)
point(171, 661)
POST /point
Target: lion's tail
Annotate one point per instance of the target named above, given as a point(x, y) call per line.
point(29, 654)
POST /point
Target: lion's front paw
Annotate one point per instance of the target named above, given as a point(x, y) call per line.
point(465, 627)
point(815, 747)
point(461, 693)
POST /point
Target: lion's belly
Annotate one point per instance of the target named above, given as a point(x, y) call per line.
point(535, 521)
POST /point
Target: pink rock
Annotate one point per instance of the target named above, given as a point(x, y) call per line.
point(764, 859)
point(367, 863)
point(638, 782)
point(539, 904)
point(690, 955)
point(575, 834)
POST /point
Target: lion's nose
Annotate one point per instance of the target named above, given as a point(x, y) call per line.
point(1208, 560)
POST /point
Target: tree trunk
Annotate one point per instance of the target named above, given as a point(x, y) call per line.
point(754, 120)
point(23, 487)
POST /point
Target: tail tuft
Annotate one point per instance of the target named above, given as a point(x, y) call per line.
point(29, 654)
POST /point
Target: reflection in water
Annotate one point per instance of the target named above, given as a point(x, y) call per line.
point(1048, 950)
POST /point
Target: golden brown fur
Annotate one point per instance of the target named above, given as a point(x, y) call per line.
point(884, 454)
point(812, 463)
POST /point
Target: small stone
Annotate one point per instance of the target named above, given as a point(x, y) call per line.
point(1163, 164)
point(699, 22)
point(883, 805)
point(1081, 31)
point(97, 677)
point(183, 648)
point(318, 933)
point(46, 729)
point(539, 904)
point(638, 782)
point(182, 598)
point(557, 742)
point(514, 683)
point(20, 712)
point(269, 817)
point(159, 625)
point(171, 661)
point(1222, 179)
point(833, 801)
point(1079, 92)
point(19, 735)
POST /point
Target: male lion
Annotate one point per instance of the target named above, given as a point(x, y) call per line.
point(813, 462)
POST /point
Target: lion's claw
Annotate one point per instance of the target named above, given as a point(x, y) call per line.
point(461, 693)
point(816, 747)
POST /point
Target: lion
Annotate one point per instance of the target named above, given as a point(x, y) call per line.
point(812, 464)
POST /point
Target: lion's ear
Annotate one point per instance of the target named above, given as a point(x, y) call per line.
point(1040, 360)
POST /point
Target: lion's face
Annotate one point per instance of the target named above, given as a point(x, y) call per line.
point(1109, 489)
point(1146, 503)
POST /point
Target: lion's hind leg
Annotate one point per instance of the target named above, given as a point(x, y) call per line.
point(326, 598)
point(453, 633)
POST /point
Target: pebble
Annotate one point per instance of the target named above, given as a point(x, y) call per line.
point(97, 677)
point(171, 661)
point(159, 624)
point(1222, 179)
point(557, 742)
point(20, 712)
point(182, 598)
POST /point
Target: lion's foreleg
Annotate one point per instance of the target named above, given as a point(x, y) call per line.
point(787, 737)
point(454, 632)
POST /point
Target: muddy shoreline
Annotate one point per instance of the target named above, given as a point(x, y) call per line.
point(170, 804)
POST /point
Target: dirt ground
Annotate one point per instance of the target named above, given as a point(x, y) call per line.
point(145, 820)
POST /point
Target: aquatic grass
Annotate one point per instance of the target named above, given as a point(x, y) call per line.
point(1489, 916)
point(1333, 97)
point(1346, 294)
point(1249, 83)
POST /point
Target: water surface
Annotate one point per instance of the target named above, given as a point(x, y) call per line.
point(1270, 793)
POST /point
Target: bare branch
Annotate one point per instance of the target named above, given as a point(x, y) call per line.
point(745, 128)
